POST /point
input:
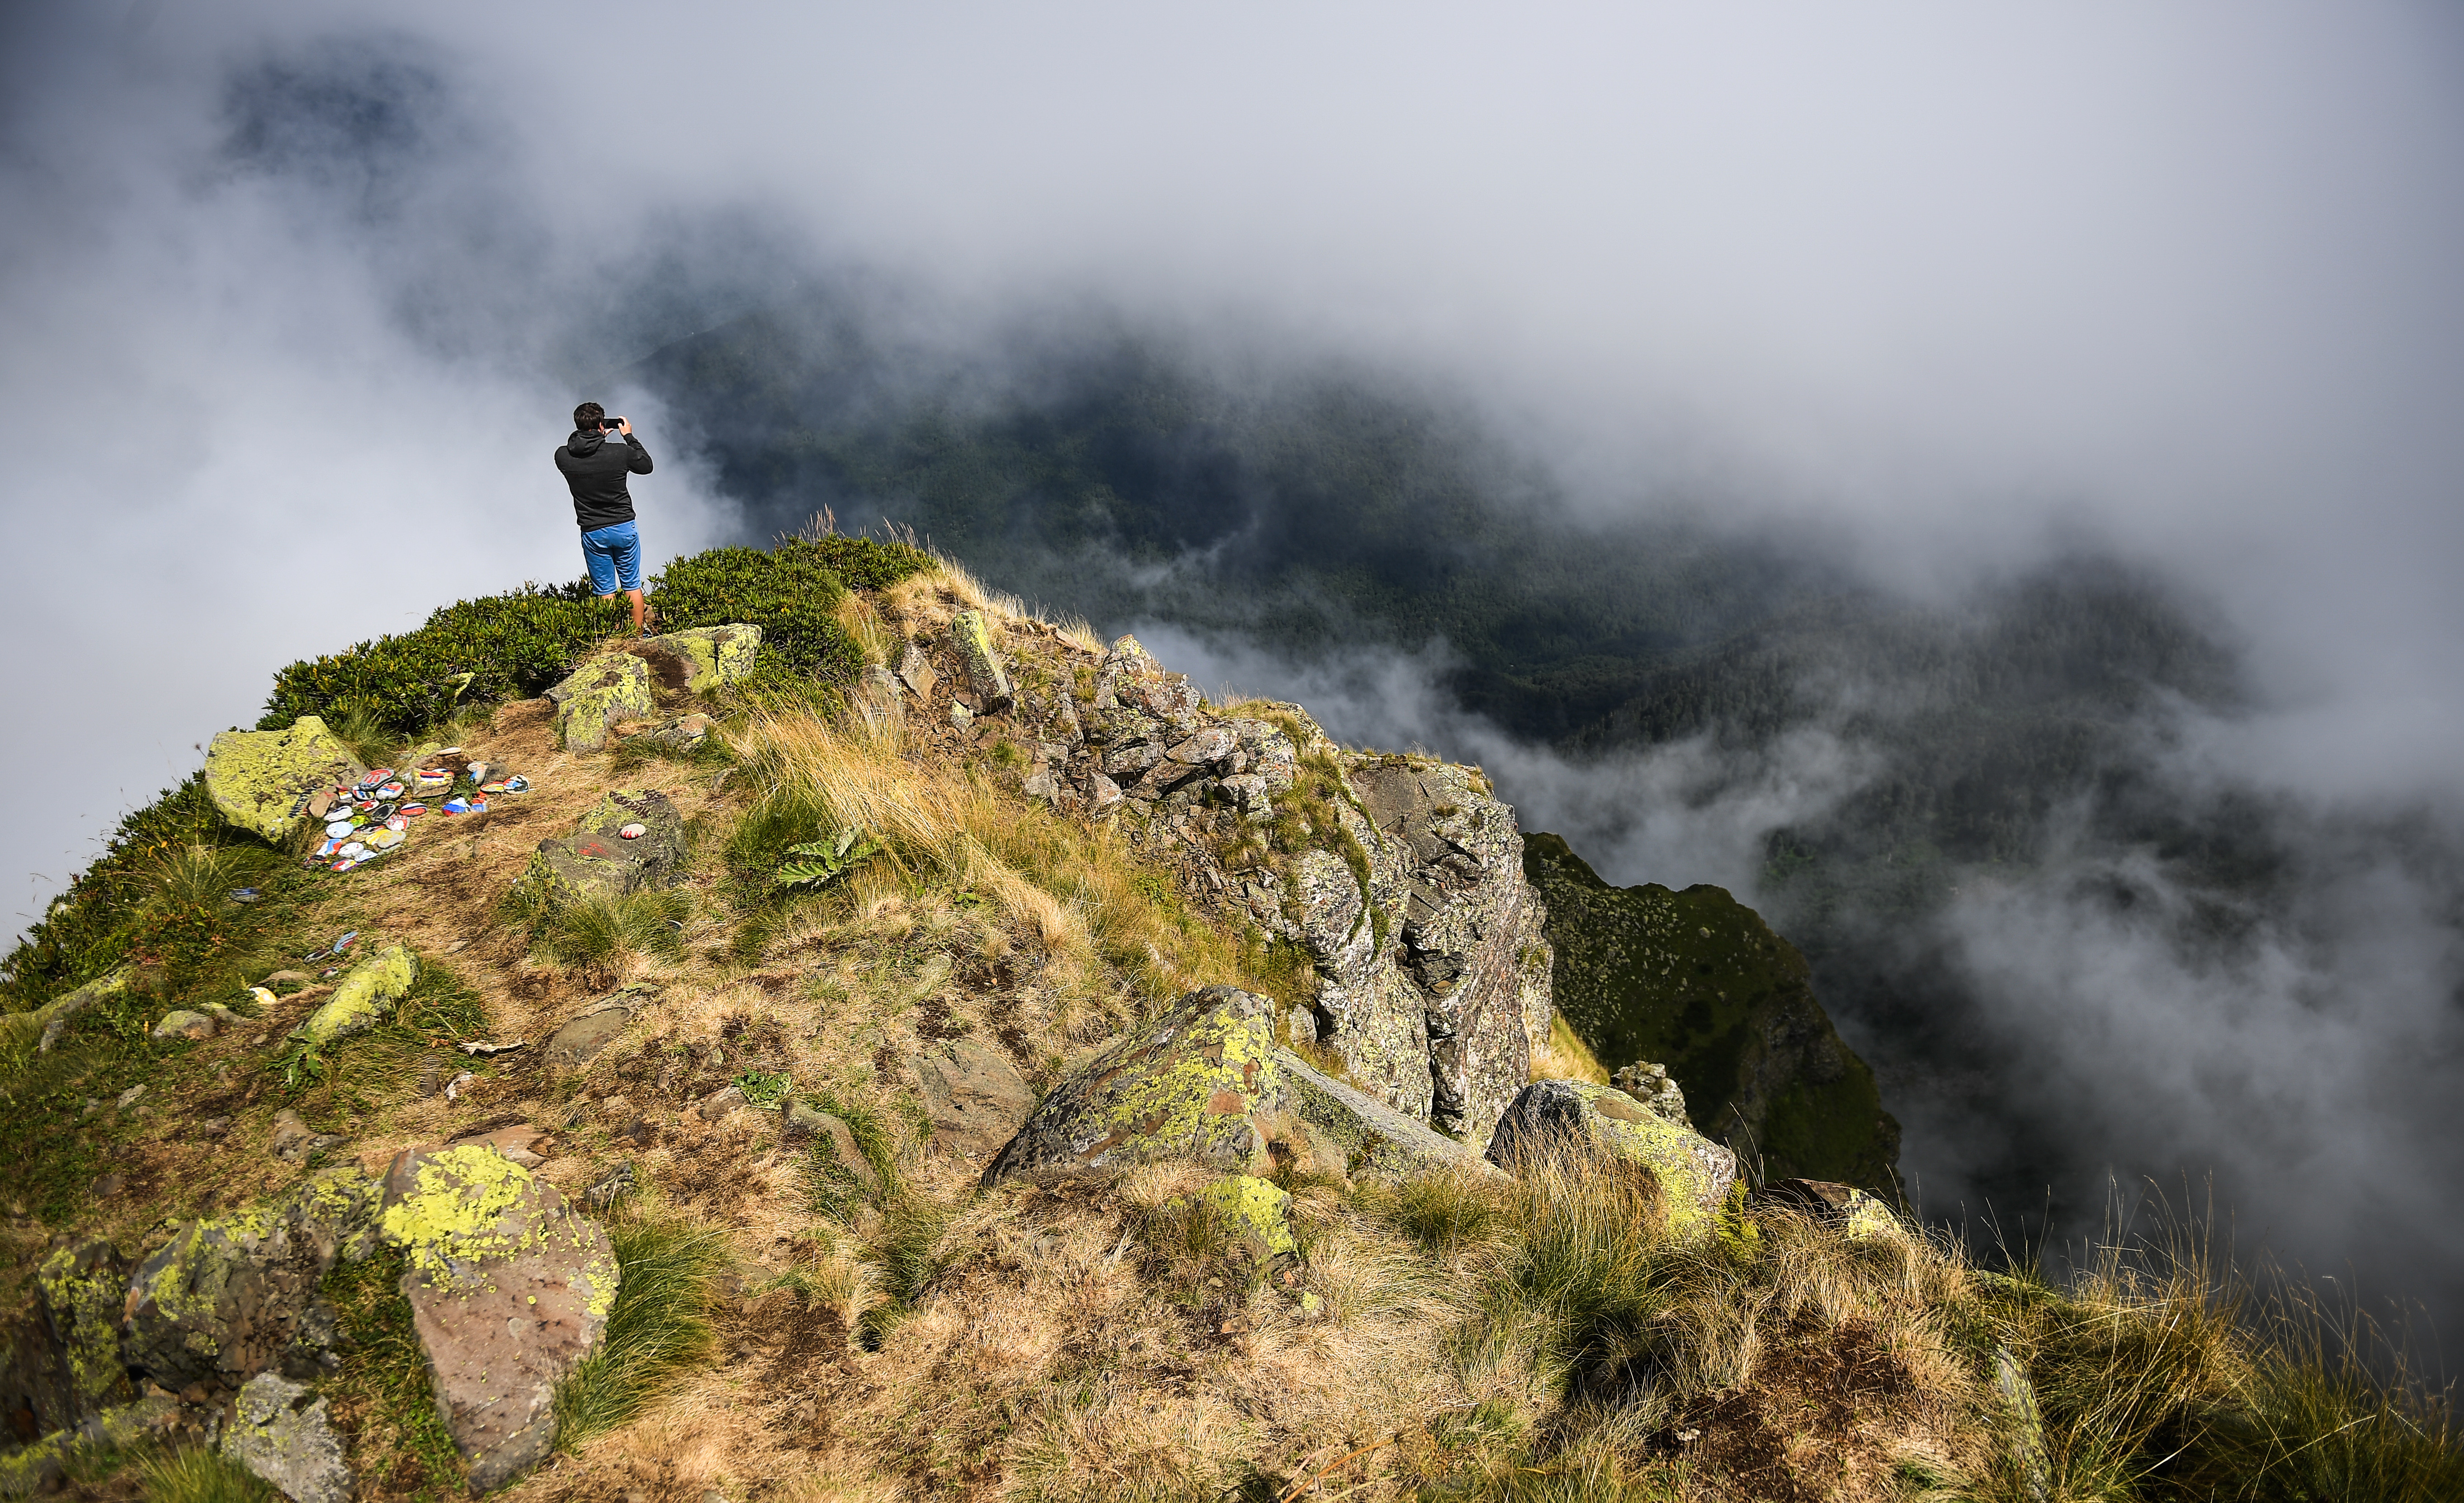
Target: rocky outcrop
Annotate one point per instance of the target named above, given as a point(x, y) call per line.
point(596, 695)
point(1693, 1173)
point(509, 1291)
point(223, 1297)
point(54, 1017)
point(280, 1431)
point(1183, 1087)
point(258, 779)
point(1400, 877)
point(60, 1367)
point(1696, 981)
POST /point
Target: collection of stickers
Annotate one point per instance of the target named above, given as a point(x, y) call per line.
point(365, 819)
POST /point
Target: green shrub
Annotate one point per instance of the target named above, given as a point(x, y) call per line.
point(792, 592)
point(473, 652)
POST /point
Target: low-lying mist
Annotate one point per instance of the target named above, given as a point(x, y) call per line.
point(1979, 486)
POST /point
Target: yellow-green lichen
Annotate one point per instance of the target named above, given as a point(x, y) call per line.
point(1210, 1077)
point(457, 1212)
point(256, 777)
point(1694, 1174)
point(1256, 1211)
point(714, 655)
point(358, 1003)
point(596, 695)
point(82, 1293)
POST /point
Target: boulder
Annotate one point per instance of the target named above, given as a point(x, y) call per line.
point(973, 640)
point(1182, 1087)
point(280, 1431)
point(60, 1366)
point(975, 1096)
point(659, 849)
point(361, 998)
point(258, 778)
point(222, 1299)
point(192, 1027)
point(714, 655)
point(1693, 1173)
point(43, 1466)
point(510, 1288)
point(596, 695)
point(1364, 1136)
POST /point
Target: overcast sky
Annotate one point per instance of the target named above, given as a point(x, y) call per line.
point(294, 298)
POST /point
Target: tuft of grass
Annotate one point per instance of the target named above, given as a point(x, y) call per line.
point(198, 1475)
point(380, 1398)
point(599, 932)
point(657, 1334)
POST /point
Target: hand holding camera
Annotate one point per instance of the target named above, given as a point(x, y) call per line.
point(620, 424)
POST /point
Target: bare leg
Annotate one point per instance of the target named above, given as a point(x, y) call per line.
point(634, 596)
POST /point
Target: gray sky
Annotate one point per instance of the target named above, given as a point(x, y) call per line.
point(1957, 282)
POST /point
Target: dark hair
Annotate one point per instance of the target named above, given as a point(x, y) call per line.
point(587, 415)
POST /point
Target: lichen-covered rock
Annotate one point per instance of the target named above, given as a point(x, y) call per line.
point(1368, 1137)
point(510, 1288)
point(972, 638)
point(1649, 1084)
point(42, 1465)
point(54, 1016)
point(716, 655)
point(1257, 1213)
point(975, 1097)
point(1842, 1205)
point(192, 1027)
point(598, 694)
point(1181, 1088)
point(59, 1364)
point(280, 1431)
point(256, 778)
point(658, 849)
point(361, 998)
point(222, 1297)
point(1693, 1172)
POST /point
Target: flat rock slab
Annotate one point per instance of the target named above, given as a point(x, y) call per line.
point(976, 1096)
point(587, 1036)
point(256, 778)
point(1374, 1139)
point(510, 1290)
point(1183, 1087)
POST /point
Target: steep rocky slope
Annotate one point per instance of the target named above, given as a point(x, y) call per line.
point(1695, 981)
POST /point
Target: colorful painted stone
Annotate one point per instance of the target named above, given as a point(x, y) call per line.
point(635, 831)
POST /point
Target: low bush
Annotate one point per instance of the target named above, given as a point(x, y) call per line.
point(793, 593)
point(472, 652)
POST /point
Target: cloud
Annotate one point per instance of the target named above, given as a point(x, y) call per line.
point(292, 298)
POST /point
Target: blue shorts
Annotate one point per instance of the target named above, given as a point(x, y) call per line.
point(614, 555)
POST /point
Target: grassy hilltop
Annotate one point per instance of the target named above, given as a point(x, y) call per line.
point(804, 1315)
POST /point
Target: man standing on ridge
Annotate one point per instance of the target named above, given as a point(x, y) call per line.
point(595, 472)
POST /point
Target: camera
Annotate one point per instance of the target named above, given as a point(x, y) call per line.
point(610, 422)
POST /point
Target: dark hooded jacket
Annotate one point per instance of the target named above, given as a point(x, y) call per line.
point(595, 469)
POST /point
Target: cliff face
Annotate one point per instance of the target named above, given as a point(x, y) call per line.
point(1695, 980)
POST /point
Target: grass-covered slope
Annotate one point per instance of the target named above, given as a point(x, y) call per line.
point(1696, 981)
point(808, 1315)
